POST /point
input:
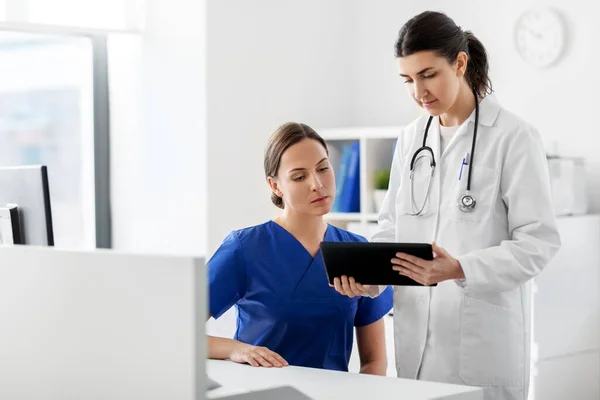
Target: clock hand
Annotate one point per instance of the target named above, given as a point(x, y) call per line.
point(534, 33)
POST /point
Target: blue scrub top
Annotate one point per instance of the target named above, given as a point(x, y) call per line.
point(283, 298)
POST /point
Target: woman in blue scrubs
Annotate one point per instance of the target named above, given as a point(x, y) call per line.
point(273, 273)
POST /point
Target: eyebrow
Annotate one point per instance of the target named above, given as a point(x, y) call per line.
point(302, 169)
point(421, 72)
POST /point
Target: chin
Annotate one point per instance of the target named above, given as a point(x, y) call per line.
point(322, 210)
point(434, 112)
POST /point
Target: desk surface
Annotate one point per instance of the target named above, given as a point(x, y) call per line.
point(322, 384)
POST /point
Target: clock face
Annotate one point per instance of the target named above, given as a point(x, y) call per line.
point(540, 36)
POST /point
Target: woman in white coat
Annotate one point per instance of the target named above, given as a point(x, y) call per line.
point(483, 200)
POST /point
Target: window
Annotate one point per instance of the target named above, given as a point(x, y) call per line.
point(48, 115)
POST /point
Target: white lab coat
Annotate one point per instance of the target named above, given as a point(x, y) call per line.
point(474, 331)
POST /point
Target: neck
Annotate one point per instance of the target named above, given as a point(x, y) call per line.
point(302, 225)
point(461, 109)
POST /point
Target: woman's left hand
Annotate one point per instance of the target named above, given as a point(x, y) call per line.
point(441, 268)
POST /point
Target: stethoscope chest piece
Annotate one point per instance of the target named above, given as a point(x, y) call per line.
point(466, 203)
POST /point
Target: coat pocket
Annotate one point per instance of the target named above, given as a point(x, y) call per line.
point(485, 184)
point(492, 345)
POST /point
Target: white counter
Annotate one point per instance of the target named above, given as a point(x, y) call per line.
point(326, 385)
point(566, 316)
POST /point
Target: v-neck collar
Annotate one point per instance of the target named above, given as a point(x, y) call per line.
point(288, 233)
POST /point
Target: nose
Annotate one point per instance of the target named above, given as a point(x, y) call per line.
point(316, 183)
point(420, 90)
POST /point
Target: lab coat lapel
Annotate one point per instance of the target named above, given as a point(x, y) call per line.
point(489, 108)
point(434, 139)
point(464, 129)
point(436, 185)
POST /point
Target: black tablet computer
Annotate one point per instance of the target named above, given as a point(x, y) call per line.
point(370, 263)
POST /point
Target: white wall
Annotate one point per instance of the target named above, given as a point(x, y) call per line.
point(332, 64)
point(268, 62)
point(158, 138)
point(560, 101)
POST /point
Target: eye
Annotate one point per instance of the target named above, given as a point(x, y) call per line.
point(323, 169)
point(298, 178)
point(430, 76)
point(408, 81)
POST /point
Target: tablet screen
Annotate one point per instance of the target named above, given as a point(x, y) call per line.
point(370, 263)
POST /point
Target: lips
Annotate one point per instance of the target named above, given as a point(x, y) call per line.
point(319, 199)
point(428, 104)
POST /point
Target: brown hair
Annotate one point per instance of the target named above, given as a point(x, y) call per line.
point(282, 139)
point(435, 31)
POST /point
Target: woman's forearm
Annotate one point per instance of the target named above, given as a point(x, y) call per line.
point(371, 348)
point(376, 367)
point(221, 348)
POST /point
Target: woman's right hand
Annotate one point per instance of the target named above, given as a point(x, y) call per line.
point(349, 287)
point(256, 356)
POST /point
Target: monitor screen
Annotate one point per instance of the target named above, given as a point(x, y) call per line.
point(26, 189)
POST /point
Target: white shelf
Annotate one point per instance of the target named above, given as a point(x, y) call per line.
point(357, 133)
point(371, 217)
point(343, 216)
point(376, 152)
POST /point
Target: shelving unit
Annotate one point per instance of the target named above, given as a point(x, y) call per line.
point(376, 152)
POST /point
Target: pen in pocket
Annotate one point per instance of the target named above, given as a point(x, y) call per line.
point(464, 162)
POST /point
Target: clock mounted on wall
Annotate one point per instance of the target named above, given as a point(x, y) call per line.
point(540, 36)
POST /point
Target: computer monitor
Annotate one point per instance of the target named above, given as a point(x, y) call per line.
point(27, 187)
point(101, 324)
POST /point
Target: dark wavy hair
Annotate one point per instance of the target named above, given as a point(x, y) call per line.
point(435, 31)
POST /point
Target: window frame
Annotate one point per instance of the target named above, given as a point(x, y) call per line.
point(101, 119)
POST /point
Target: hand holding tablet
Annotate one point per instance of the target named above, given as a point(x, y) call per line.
point(369, 263)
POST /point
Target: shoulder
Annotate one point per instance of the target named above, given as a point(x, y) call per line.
point(251, 235)
point(418, 123)
point(514, 126)
point(237, 242)
point(415, 126)
point(342, 235)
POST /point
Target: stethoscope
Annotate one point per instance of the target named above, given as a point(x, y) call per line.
point(466, 202)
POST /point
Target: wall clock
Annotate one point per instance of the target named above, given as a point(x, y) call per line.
point(540, 36)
